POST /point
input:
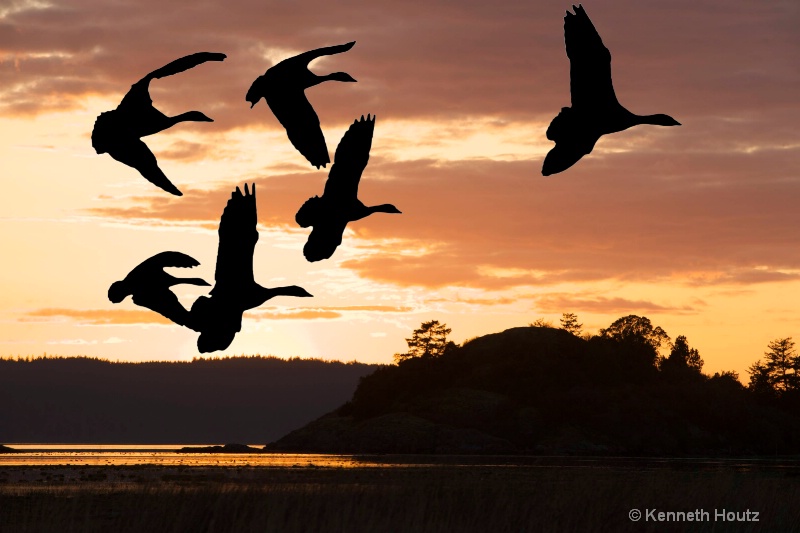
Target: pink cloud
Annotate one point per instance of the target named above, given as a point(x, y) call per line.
point(562, 303)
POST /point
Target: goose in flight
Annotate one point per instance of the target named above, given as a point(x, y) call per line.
point(283, 87)
point(119, 132)
point(219, 317)
point(149, 285)
point(595, 110)
point(339, 203)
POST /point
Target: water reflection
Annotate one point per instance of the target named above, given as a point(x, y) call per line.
point(172, 458)
point(166, 455)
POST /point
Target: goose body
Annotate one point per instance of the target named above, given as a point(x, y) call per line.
point(149, 286)
point(595, 110)
point(339, 203)
point(219, 317)
point(118, 133)
point(283, 87)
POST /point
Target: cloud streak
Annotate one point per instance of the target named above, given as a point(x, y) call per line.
point(626, 215)
point(121, 317)
point(97, 317)
point(557, 303)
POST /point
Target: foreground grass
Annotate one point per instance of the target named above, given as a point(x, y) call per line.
point(427, 499)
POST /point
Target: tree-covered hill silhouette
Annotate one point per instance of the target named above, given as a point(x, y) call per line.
point(236, 399)
point(547, 390)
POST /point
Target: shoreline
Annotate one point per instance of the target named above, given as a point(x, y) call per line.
point(498, 498)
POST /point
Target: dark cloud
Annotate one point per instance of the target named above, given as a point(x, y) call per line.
point(413, 60)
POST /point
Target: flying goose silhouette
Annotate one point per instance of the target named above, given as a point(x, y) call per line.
point(339, 203)
point(119, 132)
point(149, 285)
point(595, 110)
point(219, 317)
point(283, 87)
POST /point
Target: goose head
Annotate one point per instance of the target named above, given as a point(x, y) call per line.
point(658, 120)
point(256, 91)
point(384, 208)
point(338, 76)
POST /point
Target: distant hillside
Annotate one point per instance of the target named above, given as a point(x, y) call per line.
point(238, 399)
point(544, 390)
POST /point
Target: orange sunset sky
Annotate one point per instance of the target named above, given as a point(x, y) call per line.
point(696, 227)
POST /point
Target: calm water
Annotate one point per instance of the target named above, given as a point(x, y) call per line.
point(163, 455)
point(166, 455)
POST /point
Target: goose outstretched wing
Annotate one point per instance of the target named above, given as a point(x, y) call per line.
point(135, 153)
point(306, 57)
point(297, 116)
point(165, 303)
point(590, 63)
point(168, 259)
point(350, 160)
point(138, 97)
point(565, 154)
point(185, 63)
point(237, 242)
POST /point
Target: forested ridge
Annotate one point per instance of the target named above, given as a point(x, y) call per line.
point(215, 400)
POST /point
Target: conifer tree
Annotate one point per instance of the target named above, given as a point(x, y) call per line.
point(430, 340)
point(569, 322)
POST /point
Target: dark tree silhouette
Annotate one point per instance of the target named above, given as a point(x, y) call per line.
point(778, 374)
point(595, 110)
point(782, 364)
point(339, 204)
point(545, 389)
point(569, 322)
point(119, 132)
point(760, 381)
point(430, 340)
point(283, 87)
point(637, 329)
point(682, 357)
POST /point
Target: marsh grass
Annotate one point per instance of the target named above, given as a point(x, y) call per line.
point(426, 499)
